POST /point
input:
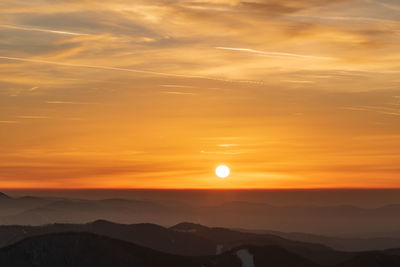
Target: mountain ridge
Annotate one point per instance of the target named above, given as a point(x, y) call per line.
point(71, 249)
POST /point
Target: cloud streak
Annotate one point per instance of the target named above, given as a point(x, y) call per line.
point(381, 110)
point(9, 122)
point(33, 117)
point(272, 54)
point(178, 93)
point(24, 28)
point(112, 68)
point(70, 103)
point(191, 83)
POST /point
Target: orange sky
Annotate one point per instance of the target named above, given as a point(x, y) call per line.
point(156, 94)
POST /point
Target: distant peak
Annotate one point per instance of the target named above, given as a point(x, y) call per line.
point(4, 196)
point(188, 227)
point(102, 222)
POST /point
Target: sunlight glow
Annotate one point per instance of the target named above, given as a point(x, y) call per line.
point(222, 171)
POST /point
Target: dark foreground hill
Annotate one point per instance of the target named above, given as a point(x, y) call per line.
point(230, 239)
point(373, 259)
point(4, 196)
point(185, 239)
point(337, 243)
point(188, 239)
point(89, 250)
point(144, 234)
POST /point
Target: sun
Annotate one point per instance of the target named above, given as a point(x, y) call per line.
point(222, 171)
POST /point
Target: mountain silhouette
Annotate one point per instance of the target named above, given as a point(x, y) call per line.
point(229, 239)
point(3, 196)
point(337, 243)
point(185, 239)
point(145, 234)
point(89, 250)
point(373, 259)
point(338, 220)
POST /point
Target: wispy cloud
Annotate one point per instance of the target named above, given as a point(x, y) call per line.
point(386, 5)
point(299, 81)
point(231, 152)
point(114, 69)
point(381, 110)
point(9, 122)
point(272, 54)
point(227, 145)
point(142, 56)
point(70, 103)
point(33, 117)
point(176, 86)
point(25, 28)
point(178, 93)
point(338, 18)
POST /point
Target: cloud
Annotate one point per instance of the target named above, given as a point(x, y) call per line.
point(270, 7)
point(33, 117)
point(177, 93)
point(9, 122)
point(273, 54)
point(52, 174)
point(70, 103)
point(377, 109)
point(176, 86)
point(388, 4)
point(270, 59)
point(119, 69)
point(228, 152)
point(40, 30)
point(300, 81)
point(227, 145)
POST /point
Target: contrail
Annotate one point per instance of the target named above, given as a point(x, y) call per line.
point(114, 68)
point(279, 54)
point(177, 93)
point(388, 6)
point(346, 18)
point(40, 30)
point(9, 122)
point(70, 103)
point(33, 117)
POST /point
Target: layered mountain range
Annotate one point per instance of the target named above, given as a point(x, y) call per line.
point(103, 243)
point(39, 231)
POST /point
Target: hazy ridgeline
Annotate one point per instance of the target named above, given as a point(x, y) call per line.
point(367, 198)
point(350, 213)
point(303, 228)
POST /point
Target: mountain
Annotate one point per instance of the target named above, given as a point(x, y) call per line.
point(89, 250)
point(340, 220)
point(229, 239)
point(372, 259)
point(337, 243)
point(175, 240)
point(4, 196)
point(84, 249)
point(39, 211)
point(145, 234)
point(11, 206)
point(182, 239)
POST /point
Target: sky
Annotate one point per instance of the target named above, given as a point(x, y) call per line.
point(158, 93)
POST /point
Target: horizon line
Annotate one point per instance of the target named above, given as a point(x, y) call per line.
point(198, 189)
